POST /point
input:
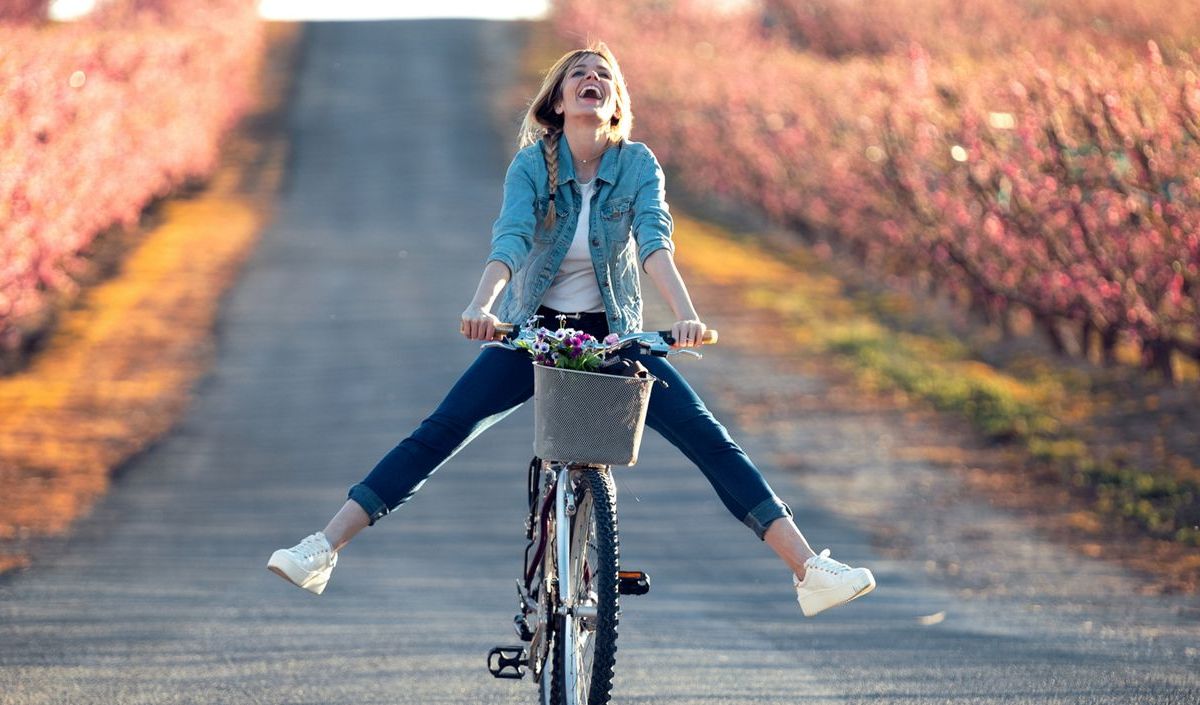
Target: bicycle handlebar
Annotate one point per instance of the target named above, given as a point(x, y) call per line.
point(710, 336)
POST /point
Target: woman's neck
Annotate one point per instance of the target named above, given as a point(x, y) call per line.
point(586, 140)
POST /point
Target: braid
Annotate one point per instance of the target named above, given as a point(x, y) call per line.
point(550, 149)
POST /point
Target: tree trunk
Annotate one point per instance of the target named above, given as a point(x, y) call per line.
point(1049, 327)
point(1156, 355)
point(1085, 339)
point(1108, 344)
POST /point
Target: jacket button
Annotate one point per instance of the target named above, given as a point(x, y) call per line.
point(596, 242)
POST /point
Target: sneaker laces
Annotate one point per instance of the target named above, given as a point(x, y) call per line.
point(313, 546)
point(823, 562)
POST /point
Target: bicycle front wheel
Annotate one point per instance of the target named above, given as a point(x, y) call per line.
point(585, 644)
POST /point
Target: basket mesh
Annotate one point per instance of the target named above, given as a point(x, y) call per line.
point(588, 417)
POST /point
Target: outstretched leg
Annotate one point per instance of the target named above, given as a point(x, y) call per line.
point(678, 413)
point(498, 382)
point(349, 520)
point(789, 544)
point(682, 418)
point(493, 386)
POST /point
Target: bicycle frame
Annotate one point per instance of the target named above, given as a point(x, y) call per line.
point(561, 633)
point(564, 504)
point(543, 592)
point(557, 476)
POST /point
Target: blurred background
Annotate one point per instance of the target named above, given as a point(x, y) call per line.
point(952, 246)
point(1007, 195)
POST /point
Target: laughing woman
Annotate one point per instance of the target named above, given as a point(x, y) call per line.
point(583, 211)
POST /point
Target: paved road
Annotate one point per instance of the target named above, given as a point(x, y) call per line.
point(339, 337)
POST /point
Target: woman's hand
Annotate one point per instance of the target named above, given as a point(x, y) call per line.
point(478, 323)
point(689, 333)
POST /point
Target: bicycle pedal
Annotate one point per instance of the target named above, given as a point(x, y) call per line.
point(507, 662)
point(632, 582)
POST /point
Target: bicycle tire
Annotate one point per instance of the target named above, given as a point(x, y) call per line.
point(596, 513)
point(549, 685)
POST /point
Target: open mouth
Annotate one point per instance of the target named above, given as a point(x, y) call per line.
point(591, 93)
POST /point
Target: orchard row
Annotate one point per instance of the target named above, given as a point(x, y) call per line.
point(1060, 177)
point(980, 28)
point(99, 118)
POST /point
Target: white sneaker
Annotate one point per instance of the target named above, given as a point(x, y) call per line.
point(828, 583)
point(307, 564)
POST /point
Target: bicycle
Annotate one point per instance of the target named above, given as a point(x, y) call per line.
point(569, 591)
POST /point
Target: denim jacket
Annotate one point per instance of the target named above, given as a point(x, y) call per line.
point(629, 221)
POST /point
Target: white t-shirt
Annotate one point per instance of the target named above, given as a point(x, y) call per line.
point(575, 288)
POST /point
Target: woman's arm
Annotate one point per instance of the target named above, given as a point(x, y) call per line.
point(688, 329)
point(512, 233)
point(512, 238)
point(652, 227)
point(478, 323)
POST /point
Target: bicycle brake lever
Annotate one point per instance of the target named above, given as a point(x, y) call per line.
point(657, 349)
point(689, 352)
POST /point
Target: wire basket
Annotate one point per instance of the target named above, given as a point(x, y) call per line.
point(588, 417)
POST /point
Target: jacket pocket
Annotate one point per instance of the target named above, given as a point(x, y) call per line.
point(615, 209)
point(616, 217)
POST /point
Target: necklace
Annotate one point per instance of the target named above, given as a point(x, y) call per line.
point(587, 161)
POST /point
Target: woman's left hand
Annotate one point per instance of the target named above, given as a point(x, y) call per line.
point(689, 333)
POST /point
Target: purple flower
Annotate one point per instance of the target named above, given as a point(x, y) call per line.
point(611, 339)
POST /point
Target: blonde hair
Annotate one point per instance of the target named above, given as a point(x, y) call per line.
point(542, 124)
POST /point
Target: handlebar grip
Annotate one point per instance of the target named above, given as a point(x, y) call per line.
point(710, 337)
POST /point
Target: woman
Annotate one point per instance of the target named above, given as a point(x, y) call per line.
point(583, 209)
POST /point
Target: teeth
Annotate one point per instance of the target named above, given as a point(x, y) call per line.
point(590, 90)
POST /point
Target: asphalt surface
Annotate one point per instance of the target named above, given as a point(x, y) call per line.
point(340, 336)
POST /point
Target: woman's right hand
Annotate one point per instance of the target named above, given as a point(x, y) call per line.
point(478, 323)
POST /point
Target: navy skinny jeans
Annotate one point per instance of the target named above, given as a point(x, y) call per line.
point(501, 380)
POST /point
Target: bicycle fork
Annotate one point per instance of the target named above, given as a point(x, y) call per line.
point(564, 510)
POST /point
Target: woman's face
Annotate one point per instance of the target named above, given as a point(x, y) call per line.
point(588, 91)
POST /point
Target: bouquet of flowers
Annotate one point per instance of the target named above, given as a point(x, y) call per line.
point(566, 348)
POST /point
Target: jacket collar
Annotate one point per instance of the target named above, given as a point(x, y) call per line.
point(566, 162)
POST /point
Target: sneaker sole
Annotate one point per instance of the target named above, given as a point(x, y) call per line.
point(817, 602)
point(282, 565)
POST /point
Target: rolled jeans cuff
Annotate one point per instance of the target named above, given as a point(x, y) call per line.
point(369, 501)
point(767, 511)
